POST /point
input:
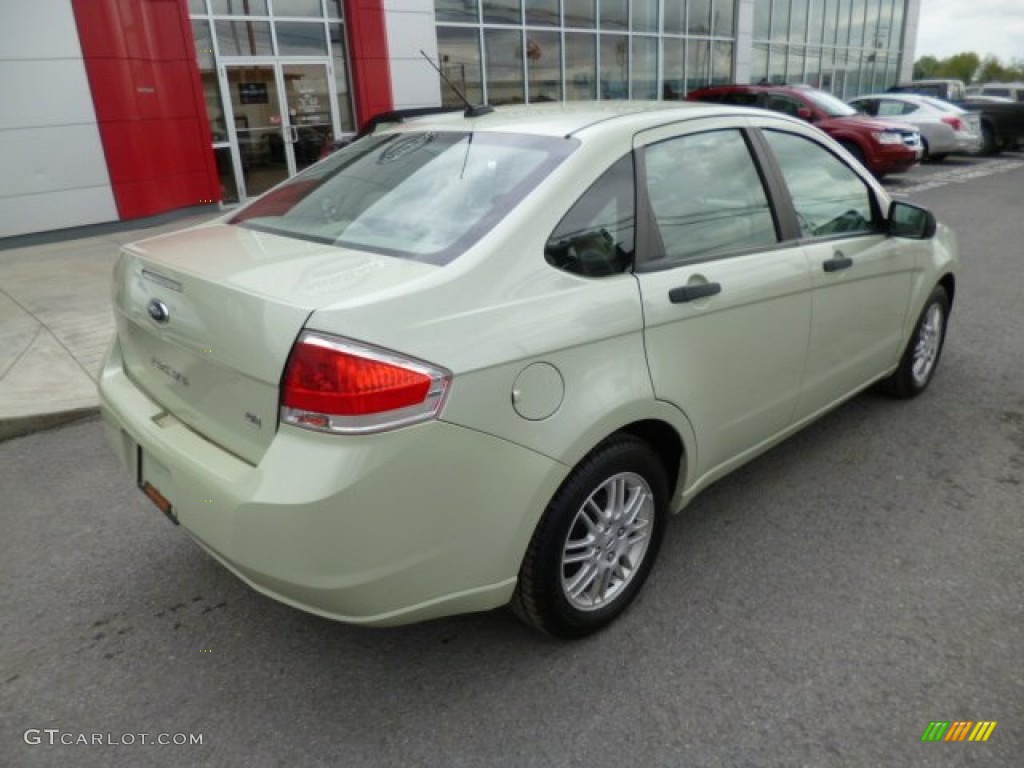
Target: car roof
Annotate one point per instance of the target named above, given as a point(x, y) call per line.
point(567, 118)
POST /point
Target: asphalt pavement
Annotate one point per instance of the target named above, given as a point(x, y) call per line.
point(819, 607)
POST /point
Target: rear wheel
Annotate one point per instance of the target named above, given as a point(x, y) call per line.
point(854, 150)
point(921, 356)
point(597, 541)
point(989, 145)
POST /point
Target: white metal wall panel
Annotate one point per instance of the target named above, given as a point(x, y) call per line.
point(54, 170)
point(410, 28)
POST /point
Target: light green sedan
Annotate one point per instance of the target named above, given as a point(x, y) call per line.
point(473, 361)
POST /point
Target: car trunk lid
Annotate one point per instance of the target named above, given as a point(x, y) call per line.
point(206, 319)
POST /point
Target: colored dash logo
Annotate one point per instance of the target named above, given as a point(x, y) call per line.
point(958, 730)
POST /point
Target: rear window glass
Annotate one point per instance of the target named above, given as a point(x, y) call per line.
point(426, 196)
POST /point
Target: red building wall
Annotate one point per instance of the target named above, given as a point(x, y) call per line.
point(369, 58)
point(140, 60)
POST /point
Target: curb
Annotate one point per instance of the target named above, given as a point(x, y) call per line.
point(12, 428)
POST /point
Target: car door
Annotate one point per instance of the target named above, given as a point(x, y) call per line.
point(862, 278)
point(726, 301)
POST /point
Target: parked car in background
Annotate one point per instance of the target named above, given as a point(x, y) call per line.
point(944, 128)
point(882, 146)
point(1008, 91)
point(1002, 123)
point(945, 89)
point(469, 360)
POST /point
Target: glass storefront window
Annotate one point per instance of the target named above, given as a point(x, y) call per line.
point(544, 65)
point(204, 44)
point(542, 13)
point(580, 66)
point(762, 19)
point(721, 63)
point(777, 65)
point(239, 7)
point(503, 52)
point(759, 63)
point(798, 21)
point(813, 67)
point(645, 68)
point(831, 11)
point(244, 38)
point(724, 20)
point(614, 14)
point(673, 66)
point(780, 20)
point(214, 108)
point(226, 171)
point(197, 7)
point(296, 38)
point(614, 67)
point(795, 64)
point(458, 50)
point(645, 16)
point(857, 23)
point(580, 13)
point(309, 9)
point(503, 11)
point(341, 84)
point(334, 9)
point(698, 64)
point(456, 10)
point(674, 21)
point(699, 17)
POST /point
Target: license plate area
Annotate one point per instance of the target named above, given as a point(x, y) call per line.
point(155, 481)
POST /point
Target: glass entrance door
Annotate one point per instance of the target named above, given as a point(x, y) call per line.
point(282, 118)
point(308, 98)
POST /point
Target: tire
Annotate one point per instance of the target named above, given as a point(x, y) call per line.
point(939, 157)
point(854, 150)
point(926, 153)
point(921, 356)
point(583, 568)
point(989, 145)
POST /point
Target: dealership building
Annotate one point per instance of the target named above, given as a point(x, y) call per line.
point(117, 110)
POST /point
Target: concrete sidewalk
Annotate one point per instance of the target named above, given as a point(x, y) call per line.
point(56, 324)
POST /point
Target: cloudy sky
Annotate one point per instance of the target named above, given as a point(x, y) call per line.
point(983, 26)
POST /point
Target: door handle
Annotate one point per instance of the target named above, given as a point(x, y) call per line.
point(686, 293)
point(837, 262)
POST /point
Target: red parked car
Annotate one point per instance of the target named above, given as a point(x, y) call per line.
point(882, 146)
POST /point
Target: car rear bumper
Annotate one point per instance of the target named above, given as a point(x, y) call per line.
point(380, 529)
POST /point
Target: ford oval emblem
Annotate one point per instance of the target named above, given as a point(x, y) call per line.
point(158, 311)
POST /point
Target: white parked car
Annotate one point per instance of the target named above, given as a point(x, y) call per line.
point(944, 127)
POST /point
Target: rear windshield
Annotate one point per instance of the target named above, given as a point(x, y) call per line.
point(426, 196)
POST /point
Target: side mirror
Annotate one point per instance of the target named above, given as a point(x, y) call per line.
point(805, 114)
point(911, 221)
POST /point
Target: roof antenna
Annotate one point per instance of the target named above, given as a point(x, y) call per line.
point(472, 110)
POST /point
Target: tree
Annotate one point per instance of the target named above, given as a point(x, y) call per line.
point(962, 66)
point(925, 67)
point(992, 70)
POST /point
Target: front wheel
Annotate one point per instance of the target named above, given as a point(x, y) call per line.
point(596, 542)
point(921, 356)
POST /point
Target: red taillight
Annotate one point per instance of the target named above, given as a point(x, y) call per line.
point(336, 385)
point(953, 122)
